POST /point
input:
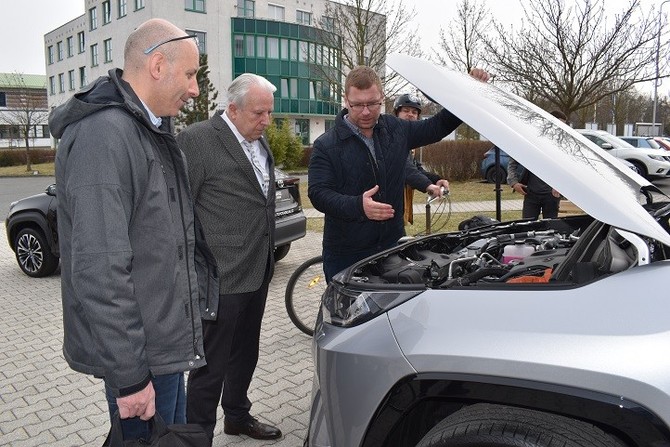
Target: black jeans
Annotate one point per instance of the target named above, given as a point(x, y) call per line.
point(231, 350)
point(533, 204)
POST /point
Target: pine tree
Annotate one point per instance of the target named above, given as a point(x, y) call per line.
point(204, 103)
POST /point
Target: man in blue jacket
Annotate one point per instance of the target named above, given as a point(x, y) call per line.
point(357, 170)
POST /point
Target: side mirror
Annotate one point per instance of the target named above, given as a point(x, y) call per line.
point(606, 146)
point(51, 190)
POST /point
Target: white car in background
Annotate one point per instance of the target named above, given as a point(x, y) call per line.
point(650, 163)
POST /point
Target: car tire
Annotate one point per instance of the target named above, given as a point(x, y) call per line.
point(502, 426)
point(281, 252)
point(491, 175)
point(33, 253)
point(640, 168)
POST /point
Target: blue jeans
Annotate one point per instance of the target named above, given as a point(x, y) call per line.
point(170, 404)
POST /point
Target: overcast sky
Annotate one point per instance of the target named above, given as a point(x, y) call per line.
point(26, 21)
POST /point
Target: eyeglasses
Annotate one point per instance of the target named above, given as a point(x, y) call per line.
point(174, 39)
point(359, 107)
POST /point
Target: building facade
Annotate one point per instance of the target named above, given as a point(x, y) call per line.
point(277, 39)
point(23, 109)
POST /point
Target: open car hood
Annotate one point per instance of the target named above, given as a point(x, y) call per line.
point(587, 175)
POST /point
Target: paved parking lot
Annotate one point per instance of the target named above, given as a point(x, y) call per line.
point(43, 402)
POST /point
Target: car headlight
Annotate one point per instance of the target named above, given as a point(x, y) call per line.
point(656, 157)
point(346, 308)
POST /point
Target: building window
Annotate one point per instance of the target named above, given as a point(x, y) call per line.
point(194, 5)
point(294, 50)
point(50, 54)
point(3, 99)
point(284, 88)
point(52, 85)
point(246, 8)
point(328, 23)
point(201, 40)
point(94, 55)
point(70, 78)
point(302, 52)
point(93, 18)
point(108, 50)
point(250, 46)
point(273, 48)
point(276, 12)
point(139, 4)
point(70, 46)
point(302, 130)
point(106, 12)
point(239, 46)
point(284, 48)
point(61, 83)
point(82, 77)
point(123, 5)
point(260, 46)
point(303, 17)
point(82, 42)
point(59, 50)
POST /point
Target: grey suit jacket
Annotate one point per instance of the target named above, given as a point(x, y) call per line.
point(237, 218)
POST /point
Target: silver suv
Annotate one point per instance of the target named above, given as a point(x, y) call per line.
point(527, 333)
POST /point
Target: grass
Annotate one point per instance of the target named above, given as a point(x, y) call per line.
point(14, 171)
point(473, 191)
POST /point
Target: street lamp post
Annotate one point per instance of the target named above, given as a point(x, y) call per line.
point(658, 50)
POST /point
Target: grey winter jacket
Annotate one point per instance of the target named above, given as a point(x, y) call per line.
point(127, 241)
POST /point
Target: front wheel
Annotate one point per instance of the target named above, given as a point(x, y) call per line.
point(303, 294)
point(486, 425)
point(33, 253)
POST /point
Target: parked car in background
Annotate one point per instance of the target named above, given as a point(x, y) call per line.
point(488, 171)
point(646, 142)
point(533, 333)
point(650, 163)
point(32, 227)
point(663, 142)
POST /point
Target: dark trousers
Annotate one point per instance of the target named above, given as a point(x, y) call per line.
point(533, 204)
point(231, 350)
point(170, 404)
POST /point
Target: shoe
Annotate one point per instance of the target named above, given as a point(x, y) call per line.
point(251, 428)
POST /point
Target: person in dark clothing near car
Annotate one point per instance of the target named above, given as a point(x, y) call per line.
point(538, 197)
point(357, 170)
point(231, 168)
point(127, 232)
point(408, 107)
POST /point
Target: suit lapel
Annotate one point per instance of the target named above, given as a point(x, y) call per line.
point(236, 152)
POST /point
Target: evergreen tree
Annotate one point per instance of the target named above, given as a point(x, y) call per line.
point(204, 103)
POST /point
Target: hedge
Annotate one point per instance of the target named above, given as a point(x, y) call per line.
point(15, 157)
point(456, 160)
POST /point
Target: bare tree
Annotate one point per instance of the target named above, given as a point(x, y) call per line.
point(367, 30)
point(26, 109)
point(572, 56)
point(461, 45)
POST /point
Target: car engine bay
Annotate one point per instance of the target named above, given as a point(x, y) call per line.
point(565, 251)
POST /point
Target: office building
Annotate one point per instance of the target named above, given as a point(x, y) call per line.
point(278, 39)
